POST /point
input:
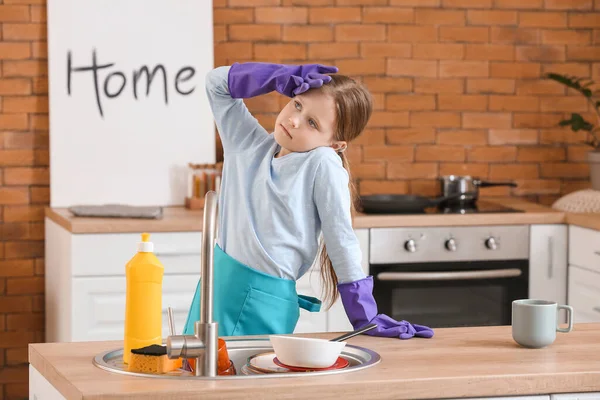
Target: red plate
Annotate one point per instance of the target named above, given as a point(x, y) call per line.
point(339, 364)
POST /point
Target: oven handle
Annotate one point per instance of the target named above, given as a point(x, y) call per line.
point(449, 276)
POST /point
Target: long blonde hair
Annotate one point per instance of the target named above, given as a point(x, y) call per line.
point(354, 106)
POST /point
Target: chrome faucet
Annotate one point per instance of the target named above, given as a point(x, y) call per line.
point(203, 345)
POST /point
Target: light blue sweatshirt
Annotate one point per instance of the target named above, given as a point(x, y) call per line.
point(272, 210)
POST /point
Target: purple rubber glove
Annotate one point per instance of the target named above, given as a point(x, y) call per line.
point(361, 310)
point(254, 78)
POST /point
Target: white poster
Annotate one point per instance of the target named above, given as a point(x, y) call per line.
point(128, 108)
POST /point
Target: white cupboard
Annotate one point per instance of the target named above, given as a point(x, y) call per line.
point(584, 274)
point(548, 262)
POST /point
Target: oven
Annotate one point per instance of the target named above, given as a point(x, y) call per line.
point(450, 276)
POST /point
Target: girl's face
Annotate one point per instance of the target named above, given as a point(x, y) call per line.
point(307, 122)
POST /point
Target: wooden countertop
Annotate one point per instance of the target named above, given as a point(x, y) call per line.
point(584, 220)
point(456, 362)
point(180, 219)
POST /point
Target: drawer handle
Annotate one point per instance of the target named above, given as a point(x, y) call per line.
point(597, 309)
point(449, 276)
point(550, 257)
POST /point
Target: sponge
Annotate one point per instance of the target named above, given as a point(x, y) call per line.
point(152, 360)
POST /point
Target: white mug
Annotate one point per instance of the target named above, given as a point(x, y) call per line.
point(535, 322)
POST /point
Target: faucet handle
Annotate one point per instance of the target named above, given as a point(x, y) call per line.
point(175, 346)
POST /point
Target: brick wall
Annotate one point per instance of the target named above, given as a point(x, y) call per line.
point(457, 83)
point(456, 90)
point(24, 187)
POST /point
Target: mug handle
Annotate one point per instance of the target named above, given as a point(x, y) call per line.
point(569, 311)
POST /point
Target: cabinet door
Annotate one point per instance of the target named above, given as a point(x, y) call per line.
point(548, 263)
point(584, 248)
point(584, 294)
point(310, 285)
point(99, 305)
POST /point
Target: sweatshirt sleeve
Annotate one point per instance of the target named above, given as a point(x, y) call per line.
point(238, 129)
point(332, 199)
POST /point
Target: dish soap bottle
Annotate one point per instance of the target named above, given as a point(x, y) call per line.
point(143, 303)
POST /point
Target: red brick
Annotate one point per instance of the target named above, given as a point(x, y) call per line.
point(40, 195)
point(251, 3)
point(369, 170)
point(361, 2)
point(491, 17)
point(503, 86)
point(514, 171)
point(388, 153)
point(283, 51)
point(378, 101)
point(438, 119)
point(39, 50)
point(360, 33)
point(371, 137)
point(12, 268)
point(410, 135)
point(16, 356)
point(233, 16)
point(543, 19)
point(564, 170)
point(471, 34)
point(332, 51)
point(566, 36)
point(490, 52)
point(583, 53)
point(412, 34)
point(23, 213)
point(18, 195)
point(361, 66)
point(14, 121)
point(569, 4)
point(34, 285)
point(541, 53)
point(309, 33)
point(24, 249)
point(333, 15)
point(39, 266)
point(37, 304)
point(404, 170)
point(15, 339)
point(578, 153)
point(378, 119)
point(519, 4)
point(500, 69)
point(308, 2)
point(417, 3)
point(219, 34)
point(584, 20)
point(14, 51)
point(492, 154)
point(380, 50)
point(14, 304)
point(281, 15)
point(25, 140)
point(577, 69)
point(440, 153)
point(424, 187)
point(513, 136)
point(540, 154)
point(563, 103)
point(40, 86)
point(463, 137)
point(561, 136)
point(474, 120)
point(388, 84)
point(401, 67)
point(569, 186)
point(514, 103)
point(438, 51)
point(465, 102)
point(38, 13)
point(389, 15)
point(26, 176)
point(464, 68)
point(408, 102)
point(368, 187)
point(30, 104)
point(539, 87)
point(24, 31)
point(255, 32)
point(234, 49)
point(467, 3)
point(472, 169)
point(430, 16)
point(514, 35)
point(14, 13)
point(537, 186)
point(16, 157)
point(432, 85)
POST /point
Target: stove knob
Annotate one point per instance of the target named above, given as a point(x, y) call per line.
point(450, 245)
point(491, 243)
point(410, 245)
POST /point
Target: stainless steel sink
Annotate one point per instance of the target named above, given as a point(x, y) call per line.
point(239, 351)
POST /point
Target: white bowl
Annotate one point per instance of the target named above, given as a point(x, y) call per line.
point(306, 352)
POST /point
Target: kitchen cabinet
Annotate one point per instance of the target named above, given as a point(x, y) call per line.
point(584, 274)
point(548, 262)
point(86, 286)
point(576, 396)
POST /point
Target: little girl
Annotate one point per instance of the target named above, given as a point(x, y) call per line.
point(279, 193)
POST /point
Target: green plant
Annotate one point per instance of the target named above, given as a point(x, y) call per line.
point(577, 122)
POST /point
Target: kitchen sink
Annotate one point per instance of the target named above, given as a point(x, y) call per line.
point(240, 350)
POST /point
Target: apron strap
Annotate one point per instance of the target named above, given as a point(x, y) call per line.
point(308, 303)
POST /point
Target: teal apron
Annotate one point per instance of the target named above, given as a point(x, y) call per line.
point(250, 302)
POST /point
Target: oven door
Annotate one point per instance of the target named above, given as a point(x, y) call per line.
point(451, 294)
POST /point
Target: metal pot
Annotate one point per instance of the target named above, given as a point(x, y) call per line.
point(466, 186)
